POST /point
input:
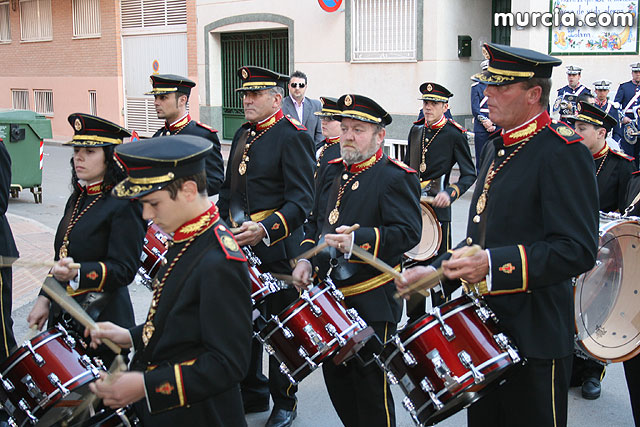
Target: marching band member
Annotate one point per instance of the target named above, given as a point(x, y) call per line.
point(268, 193)
point(100, 232)
point(535, 211)
point(627, 99)
point(193, 349)
point(363, 186)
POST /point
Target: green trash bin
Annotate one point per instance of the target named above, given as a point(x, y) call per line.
point(23, 132)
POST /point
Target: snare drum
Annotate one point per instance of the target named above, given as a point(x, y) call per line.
point(431, 235)
point(153, 254)
point(123, 417)
point(312, 329)
point(607, 297)
point(44, 379)
point(262, 284)
point(446, 360)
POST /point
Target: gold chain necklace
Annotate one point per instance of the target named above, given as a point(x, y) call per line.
point(602, 164)
point(64, 249)
point(242, 167)
point(335, 213)
point(423, 165)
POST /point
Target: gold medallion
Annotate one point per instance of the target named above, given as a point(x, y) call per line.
point(63, 249)
point(423, 167)
point(481, 203)
point(333, 216)
point(147, 332)
point(242, 168)
point(355, 186)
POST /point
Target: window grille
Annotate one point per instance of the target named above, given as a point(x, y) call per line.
point(152, 13)
point(93, 103)
point(20, 99)
point(35, 20)
point(5, 24)
point(44, 101)
point(86, 18)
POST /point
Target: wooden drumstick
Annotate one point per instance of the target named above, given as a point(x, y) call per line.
point(431, 280)
point(31, 333)
point(375, 262)
point(6, 261)
point(64, 300)
point(287, 278)
point(236, 230)
point(317, 249)
point(428, 199)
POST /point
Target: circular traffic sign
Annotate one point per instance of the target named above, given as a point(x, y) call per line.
point(330, 5)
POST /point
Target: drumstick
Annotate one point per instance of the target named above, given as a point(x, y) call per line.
point(375, 262)
point(287, 278)
point(64, 300)
point(236, 230)
point(31, 333)
point(431, 280)
point(6, 261)
point(317, 249)
point(427, 199)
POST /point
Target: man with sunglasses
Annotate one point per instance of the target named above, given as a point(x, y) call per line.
point(302, 108)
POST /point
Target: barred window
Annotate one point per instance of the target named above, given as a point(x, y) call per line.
point(86, 18)
point(35, 20)
point(383, 30)
point(153, 13)
point(5, 25)
point(44, 101)
point(93, 103)
point(20, 99)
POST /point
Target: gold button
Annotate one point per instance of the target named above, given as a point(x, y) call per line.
point(253, 133)
point(500, 153)
point(345, 176)
point(469, 241)
point(476, 219)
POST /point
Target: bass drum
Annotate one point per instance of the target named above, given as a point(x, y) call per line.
point(607, 297)
point(431, 235)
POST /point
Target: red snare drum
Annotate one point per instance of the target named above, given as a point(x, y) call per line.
point(46, 378)
point(312, 329)
point(262, 284)
point(153, 254)
point(445, 360)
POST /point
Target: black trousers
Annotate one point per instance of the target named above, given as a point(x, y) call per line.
point(416, 305)
point(585, 368)
point(360, 394)
point(632, 374)
point(7, 341)
point(536, 395)
point(255, 387)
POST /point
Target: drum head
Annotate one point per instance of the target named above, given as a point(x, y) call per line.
point(431, 236)
point(607, 298)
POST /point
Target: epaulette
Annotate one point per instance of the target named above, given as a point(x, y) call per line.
point(295, 123)
point(458, 125)
point(564, 131)
point(202, 125)
point(228, 243)
point(334, 161)
point(419, 122)
point(402, 165)
point(621, 154)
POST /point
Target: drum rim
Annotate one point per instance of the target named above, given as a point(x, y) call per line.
point(25, 352)
point(437, 226)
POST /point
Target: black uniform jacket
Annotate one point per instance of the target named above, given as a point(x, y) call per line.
point(447, 145)
point(541, 225)
point(214, 165)
point(279, 183)
point(107, 240)
point(633, 195)
point(613, 172)
point(384, 199)
point(7, 244)
point(200, 349)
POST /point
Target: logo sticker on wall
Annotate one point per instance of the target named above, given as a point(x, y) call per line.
point(156, 66)
point(330, 5)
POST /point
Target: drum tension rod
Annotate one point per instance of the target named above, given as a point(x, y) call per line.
point(446, 330)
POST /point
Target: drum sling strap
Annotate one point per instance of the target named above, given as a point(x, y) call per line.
point(160, 321)
point(238, 187)
point(415, 147)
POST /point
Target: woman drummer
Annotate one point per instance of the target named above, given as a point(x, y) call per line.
point(103, 234)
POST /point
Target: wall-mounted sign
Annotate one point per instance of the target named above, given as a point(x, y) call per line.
point(156, 66)
point(330, 5)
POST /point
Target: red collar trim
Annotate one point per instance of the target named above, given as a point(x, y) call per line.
point(520, 133)
point(180, 123)
point(365, 164)
point(331, 141)
point(602, 152)
point(197, 225)
point(439, 123)
point(270, 121)
point(600, 104)
point(94, 189)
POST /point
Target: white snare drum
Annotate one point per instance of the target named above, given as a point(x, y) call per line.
point(607, 297)
point(431, 235)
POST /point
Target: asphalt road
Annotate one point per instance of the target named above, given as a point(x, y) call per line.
point(314, 408)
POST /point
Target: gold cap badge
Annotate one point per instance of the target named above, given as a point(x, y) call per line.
point(348, 101)
point(485, 53)
point(245, 73)
point(77, 125)
point(429, 87)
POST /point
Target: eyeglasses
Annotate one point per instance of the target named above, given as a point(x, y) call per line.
point(295, 85)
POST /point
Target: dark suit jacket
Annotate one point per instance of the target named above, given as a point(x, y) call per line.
point(310, 120)
point(7, 244)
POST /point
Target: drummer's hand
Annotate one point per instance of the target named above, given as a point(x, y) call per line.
point(39, 312)
point(119, 390)
point(472, 268)
point(251, 233)
point(119, 335)
point(411, 275)
point(626, 120)
point(62, 272)
point(442, 200)
point(341, 241)
point(302, 275)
